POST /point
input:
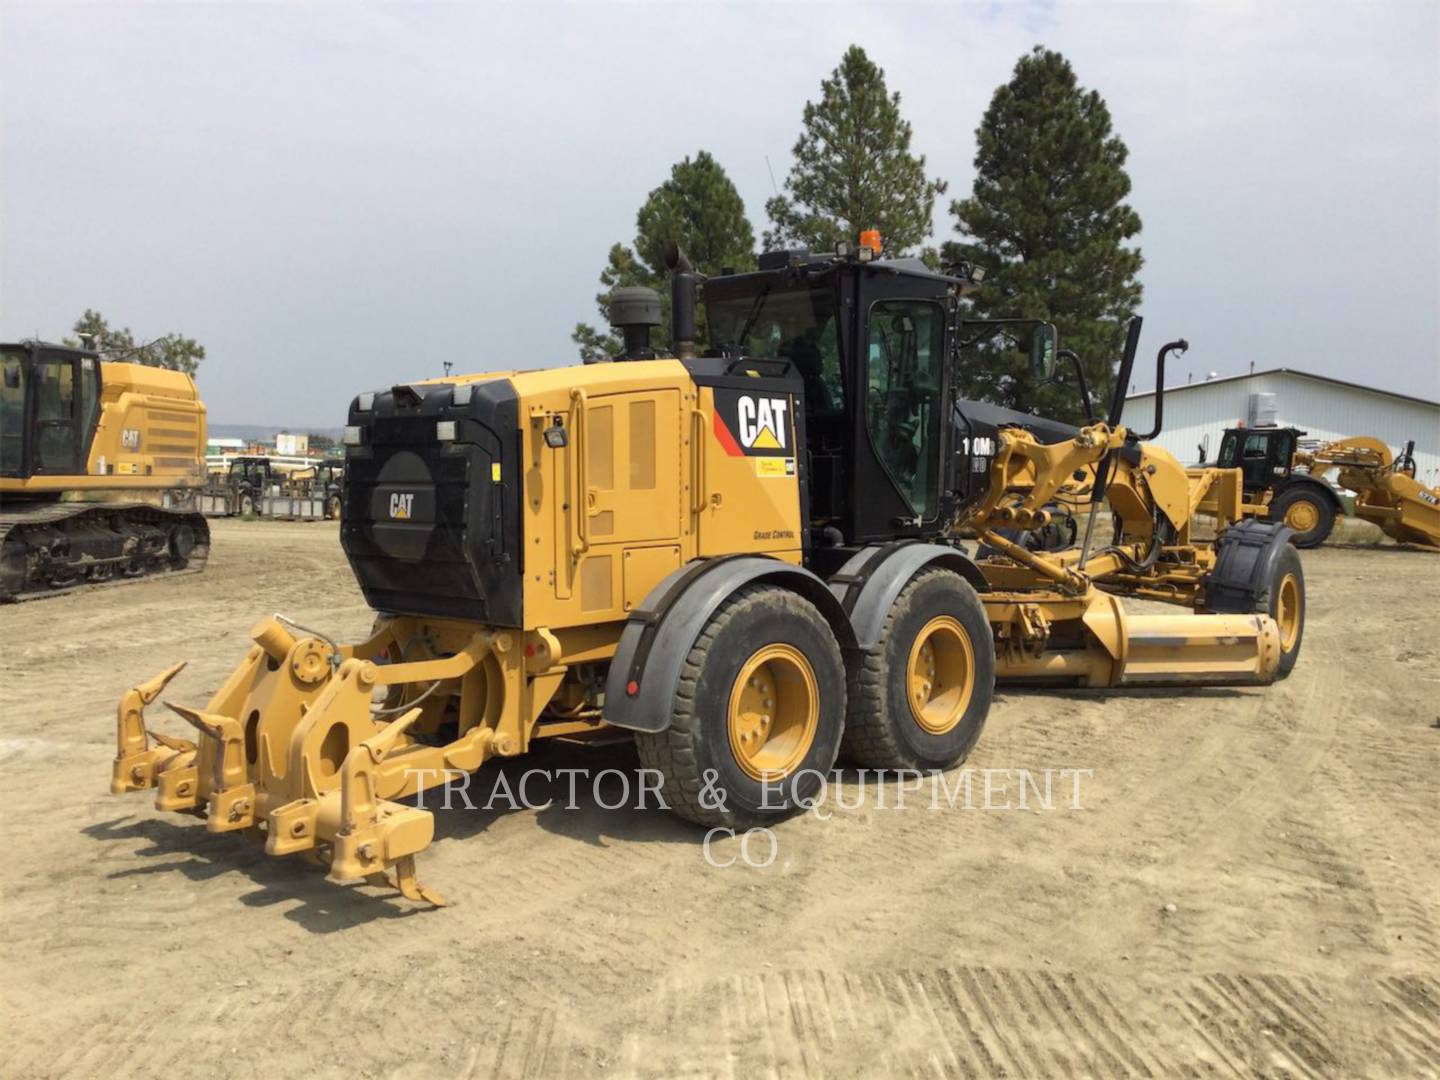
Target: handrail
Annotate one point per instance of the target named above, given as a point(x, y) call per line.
point(698, 497)
point(580, 503)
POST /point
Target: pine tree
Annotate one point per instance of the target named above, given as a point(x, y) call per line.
point(174, 351)
point(853, 169)
point(698, 208)
point(1048, 222)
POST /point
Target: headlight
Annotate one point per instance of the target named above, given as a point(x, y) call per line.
point(354, 435)
point(365, 402)
point(445, 430)
point(461, 394)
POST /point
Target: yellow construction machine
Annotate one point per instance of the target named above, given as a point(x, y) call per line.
point(1387, 493)
point(99, 465)
point(1287, 482)
point(750, 558)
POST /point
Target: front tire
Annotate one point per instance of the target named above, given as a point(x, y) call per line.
point(919, 699)
point(758, 714)
point(1283, 599)
point(1308, 514)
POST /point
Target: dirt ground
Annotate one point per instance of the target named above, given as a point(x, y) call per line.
point(1251, 886)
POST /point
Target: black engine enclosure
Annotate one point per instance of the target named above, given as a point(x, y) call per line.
point(432, 526)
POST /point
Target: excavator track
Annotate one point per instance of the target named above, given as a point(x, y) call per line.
point(57, 547)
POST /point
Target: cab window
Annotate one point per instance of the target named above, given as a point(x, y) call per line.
point(1228, 451)
point(798, 325)
point(12, 414)
point(1284, 448)
point(904, 368)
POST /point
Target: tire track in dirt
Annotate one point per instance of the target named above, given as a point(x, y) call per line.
point(1412, 1005)
point(1386, 853)
point(1019, 1022)
point(1261, 1024)
point(977, 1021)
point(240, 1033)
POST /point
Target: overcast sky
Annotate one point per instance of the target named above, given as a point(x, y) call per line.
point(337, 197)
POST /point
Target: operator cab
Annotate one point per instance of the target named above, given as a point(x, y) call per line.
point(250, 474)
point(1263, 455)
point(49, 407)
point(892, 449)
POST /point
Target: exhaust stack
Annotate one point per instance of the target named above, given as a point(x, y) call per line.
point(683, 283)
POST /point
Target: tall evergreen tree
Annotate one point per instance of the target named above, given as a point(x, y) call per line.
point(853, 168)
point(1048, 222)
point(698, 208)
point(174, 351)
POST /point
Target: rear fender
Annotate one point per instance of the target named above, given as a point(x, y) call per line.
point(867, 585)
point(645, 673)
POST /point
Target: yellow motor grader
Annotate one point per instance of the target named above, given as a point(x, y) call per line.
point(753, 559)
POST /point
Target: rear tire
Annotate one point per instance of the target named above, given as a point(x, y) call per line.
point(919, 699)
point(1307, 513)
point(765, 655)
point(1283, 599)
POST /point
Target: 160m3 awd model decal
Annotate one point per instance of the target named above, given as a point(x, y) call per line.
point(749, 424)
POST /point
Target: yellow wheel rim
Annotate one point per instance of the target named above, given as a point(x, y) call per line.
point(940, 676)
point(1302, 516)
point(774, 712)
point(1288, 613)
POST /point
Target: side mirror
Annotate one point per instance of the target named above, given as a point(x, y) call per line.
point(1044, 347)
point(12, 376)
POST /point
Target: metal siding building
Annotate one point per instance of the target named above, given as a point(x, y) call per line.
point(1325, 408)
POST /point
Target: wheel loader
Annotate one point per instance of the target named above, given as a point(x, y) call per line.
point(754, 558)
point(1285, 481)
point(74, 430)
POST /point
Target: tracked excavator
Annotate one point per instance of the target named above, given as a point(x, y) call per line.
point(99, 465)
point(752, 558)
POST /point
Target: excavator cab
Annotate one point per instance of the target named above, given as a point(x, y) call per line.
point(49, 405)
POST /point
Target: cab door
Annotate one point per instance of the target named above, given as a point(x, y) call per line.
point(904, 380)
point(1255, 460)
point(54, 387)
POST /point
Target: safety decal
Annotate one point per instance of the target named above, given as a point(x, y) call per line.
point(774, 466)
